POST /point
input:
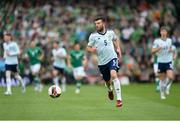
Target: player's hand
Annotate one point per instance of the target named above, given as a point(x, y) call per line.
point(7, 53)
point(158, 49)
point(94, 49)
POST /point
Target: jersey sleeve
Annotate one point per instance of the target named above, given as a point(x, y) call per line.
point(155, 44)
point(91, 41)
point(4, 55)
point(114, 36)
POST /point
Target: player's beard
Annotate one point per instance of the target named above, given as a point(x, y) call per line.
point(101, 29)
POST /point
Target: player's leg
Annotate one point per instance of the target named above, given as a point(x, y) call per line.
point(55, 76)
point(80, 74)
point(77, 79)
point(117, 87)
point(109, 85)
point(35, 69)
point(169, 80)
point(107, 78)
point(18, 77)
point(63, 79)
point(155, 67)
point(162, 77)
point(114, 67)
point(8, 82)
point(78, 84)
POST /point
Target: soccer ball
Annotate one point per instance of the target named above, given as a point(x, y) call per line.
point(54, 91)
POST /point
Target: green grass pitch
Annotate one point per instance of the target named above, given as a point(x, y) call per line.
point(140, 102)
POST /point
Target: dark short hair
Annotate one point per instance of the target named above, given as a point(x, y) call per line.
point(164, 28)
point(57, 42)
point(100, 18)
point(8, 34)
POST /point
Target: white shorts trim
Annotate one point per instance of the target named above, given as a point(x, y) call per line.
point(35, 68)
point(79, 72)
point(155, 67)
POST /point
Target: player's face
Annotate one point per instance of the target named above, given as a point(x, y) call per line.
point(55, 45)
point(7, 38)
point(163, 32)
point(99, 25)
point(77, 47)
point(33, 44)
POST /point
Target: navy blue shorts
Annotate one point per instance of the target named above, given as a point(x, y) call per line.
point(60, 70)
point(163, 67)
point(105, 69)
point(13, 68)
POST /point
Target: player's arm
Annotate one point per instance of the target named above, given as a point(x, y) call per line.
point(117, 47)
point(4, 54)
point(91, 49)
point(155, 48)
point(16, 50)
point(116, 42)
point(85, 61)
point(91, 45)
point(175, 54)
point(62, 56)
point(41, 55)
point(69, 61)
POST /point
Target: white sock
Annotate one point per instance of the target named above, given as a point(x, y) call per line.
point(63, 81)
point(168, 83)
point(18, 77)
point(8, 81)
point(117, 87)
point(162, 87)
point(56, 81)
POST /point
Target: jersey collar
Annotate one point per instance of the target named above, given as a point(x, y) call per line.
point(102, 33)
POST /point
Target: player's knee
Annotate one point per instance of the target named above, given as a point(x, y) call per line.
point(78, 78)
point(34, 73)
point(170, 75)
point(113, 74)
point(54, 74)
point(8, 74)
point(17, 76)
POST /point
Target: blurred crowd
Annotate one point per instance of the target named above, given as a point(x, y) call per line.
point(136, 23)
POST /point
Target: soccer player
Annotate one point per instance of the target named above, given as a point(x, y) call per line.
point(77, 59)
point(11, 52)
point(105, 43)
point(162, 47)
point(35, 55)
point(59, 64)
